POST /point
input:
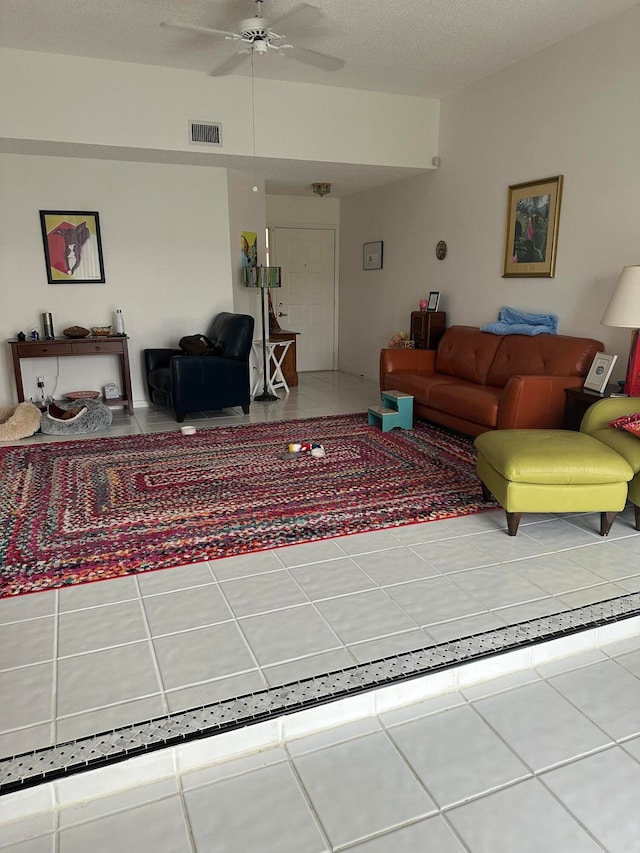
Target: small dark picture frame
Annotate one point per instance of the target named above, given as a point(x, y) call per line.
point(434, 300)
point(72, 246)
point(372, 255)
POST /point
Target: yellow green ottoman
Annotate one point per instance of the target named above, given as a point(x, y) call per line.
point(552, 470)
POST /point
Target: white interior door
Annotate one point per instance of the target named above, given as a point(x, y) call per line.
point(306, 301)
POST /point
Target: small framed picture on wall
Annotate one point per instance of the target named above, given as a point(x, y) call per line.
point(372, 256)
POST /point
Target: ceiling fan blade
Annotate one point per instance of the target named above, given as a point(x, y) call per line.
point(300, 15)
point(229, 64)
point(179, 25)
point(312, 57)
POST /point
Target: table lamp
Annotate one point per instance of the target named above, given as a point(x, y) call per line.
point(624, 310)
point(264, 278)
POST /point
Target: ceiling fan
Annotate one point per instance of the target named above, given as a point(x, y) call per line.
point(260, 39)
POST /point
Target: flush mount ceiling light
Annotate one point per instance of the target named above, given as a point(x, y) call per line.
point(321, 188)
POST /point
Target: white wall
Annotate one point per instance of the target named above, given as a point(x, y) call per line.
point(573, 109)
point(136, 106)
point(299, 212)
point(167, 257)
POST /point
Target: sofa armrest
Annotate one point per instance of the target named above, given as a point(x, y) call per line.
point(600, 414)
point(156, 358)
point(535, 402)
point(411, 360)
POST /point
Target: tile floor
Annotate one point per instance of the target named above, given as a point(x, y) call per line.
point(545, 760)
point(77, 661)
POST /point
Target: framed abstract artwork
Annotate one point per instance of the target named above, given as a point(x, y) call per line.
point(72, 246)
point(533, 214)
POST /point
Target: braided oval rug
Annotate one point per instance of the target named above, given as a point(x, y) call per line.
point(79, 511)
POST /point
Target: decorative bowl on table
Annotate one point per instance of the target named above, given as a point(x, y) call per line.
point(101, 331)
point(76, 332)
point(82, 395)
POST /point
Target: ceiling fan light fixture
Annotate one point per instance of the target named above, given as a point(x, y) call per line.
point(321, 188)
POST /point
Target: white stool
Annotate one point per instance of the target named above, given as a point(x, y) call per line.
point(276, 351)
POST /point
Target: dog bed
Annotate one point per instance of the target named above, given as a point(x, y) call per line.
point(18, 421)
point(97, 417)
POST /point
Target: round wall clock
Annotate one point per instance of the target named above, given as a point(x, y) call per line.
point(441, 250)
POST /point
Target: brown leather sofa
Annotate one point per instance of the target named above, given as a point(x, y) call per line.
point(477, 381)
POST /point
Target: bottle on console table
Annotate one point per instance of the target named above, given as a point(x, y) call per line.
point(119, 323)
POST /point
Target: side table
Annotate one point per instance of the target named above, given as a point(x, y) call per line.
point(578, 400)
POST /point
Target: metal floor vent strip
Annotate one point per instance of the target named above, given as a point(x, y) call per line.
point(43, 765)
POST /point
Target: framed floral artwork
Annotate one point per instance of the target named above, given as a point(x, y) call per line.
point(533, 214)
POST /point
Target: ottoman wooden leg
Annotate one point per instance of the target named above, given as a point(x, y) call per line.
point(487, 496)
point(513, 521)
point(636, 510)
point(606, 520)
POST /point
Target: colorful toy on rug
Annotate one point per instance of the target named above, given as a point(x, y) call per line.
point(296, 448)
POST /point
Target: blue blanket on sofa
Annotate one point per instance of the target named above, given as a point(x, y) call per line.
point(511, 321)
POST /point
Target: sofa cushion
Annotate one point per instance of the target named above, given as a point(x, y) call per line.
point(476, 403)
point(419, 385)
point(467, 353)
point(541, 355)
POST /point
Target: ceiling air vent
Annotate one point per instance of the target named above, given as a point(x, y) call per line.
point(205, 133)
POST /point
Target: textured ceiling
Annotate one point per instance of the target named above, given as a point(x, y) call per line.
point(427, 48)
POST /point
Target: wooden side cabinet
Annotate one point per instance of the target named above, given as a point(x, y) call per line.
point(427, 327)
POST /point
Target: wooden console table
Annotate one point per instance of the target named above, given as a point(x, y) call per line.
point(68, 347)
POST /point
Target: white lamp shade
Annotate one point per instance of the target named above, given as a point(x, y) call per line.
point(624, 306)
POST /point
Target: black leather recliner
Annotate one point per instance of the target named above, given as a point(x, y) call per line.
point(202, 383)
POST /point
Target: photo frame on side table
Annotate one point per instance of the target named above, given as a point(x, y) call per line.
point(372, 255)
point(72, 246)
point(533, 214)
point(434, 300)
point(599, 372)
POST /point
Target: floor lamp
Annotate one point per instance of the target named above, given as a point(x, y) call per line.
point(264, 278)
point(624, 310)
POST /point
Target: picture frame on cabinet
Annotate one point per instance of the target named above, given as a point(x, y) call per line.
point(433, 301)
point(599, 372)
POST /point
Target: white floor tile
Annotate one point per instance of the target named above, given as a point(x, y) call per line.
point(27, 642)
point(523, 818)
point(607, 693)
point(261, 593)
point(361, 787)
point(100, 627)
point(288, 634)
point(529, 719)
point(249, 812)
point(186, 608)
point(602, 792)
point(106, 677)
point(456, 755)
point(365, 615)
point(432, 834)
point(336, 577)
point(201, 655)
point(152, 826)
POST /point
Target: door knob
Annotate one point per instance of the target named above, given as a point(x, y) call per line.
point(282, 314)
